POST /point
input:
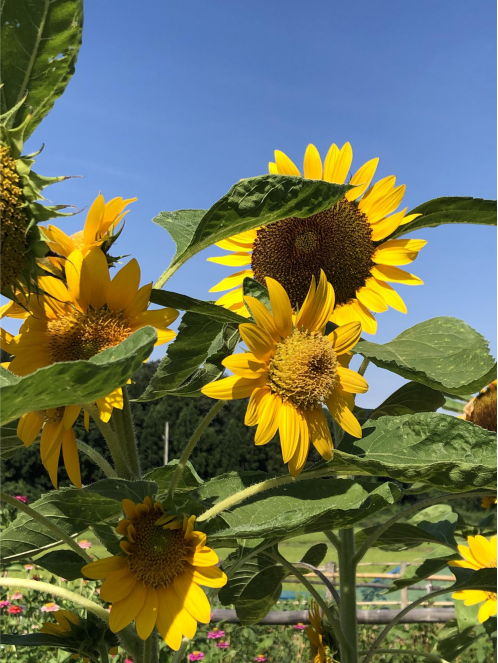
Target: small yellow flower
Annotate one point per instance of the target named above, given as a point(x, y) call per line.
point(481, 553)
point(348, 242)
point(101, 223)
point(158, 582)
point(77, 321)
point(315, 634)
point(488, 502)
point(292, 370)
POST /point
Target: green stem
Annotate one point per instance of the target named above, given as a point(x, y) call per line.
point(363, 366)
point(316, 595)
point(177, 474)
point(178, 655)
point(382, 635)
point(410, 652)
point(131, 643)
point(328, 584)
point(334, 540)
point(347, 577)
point(125, 433)
point(17, 504)
point(120, 462)
point(35, 551)
point(99, 460)
point(103, 652)
point(151, 648)
point(66, 594)
point(259, 488)
point(402, 514)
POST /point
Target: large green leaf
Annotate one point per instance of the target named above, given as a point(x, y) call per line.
point(460, 209)
point(10, 442)
point(64, 563)
point(451, 642)
point(414, 573)
point(200, 339)
point(409, 399)
point(437, 449)
point(73, 511)
point(162, 476)
point(185, 303)
point(40, 44)
point(72, 382)
point(301, 507)
point(443, 353)
point(250, 203)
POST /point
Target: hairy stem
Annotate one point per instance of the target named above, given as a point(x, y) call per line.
point(97, 458)
point(118, 457)
point(125, 433)
point(363, 366)
point(259, 488)
point(410, 652)
point(178, 655)
point(402, 514)
point(323, 578)
point(66, 594)
point(347, 577)
point(177, 474)
point(17, 504)
point(151, 648)
point(103, 652)
point(334, 540)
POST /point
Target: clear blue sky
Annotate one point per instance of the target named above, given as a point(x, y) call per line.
point(174, 102)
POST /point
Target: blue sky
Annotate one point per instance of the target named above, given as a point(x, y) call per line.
point(174, 102)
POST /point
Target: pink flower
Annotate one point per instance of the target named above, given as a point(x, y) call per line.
point(195, 656)
point(4, 604)
point(299, 626)
point(215, 634)
point(222, 644)
point(28, 567)
point(260, 658)
point(50, 607)
point(21, 498)
point(16, 596)
point(128, 660)
point(84, 544)
point(14, 610)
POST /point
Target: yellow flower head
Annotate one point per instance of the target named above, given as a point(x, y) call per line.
point(77, 321)
point(344, 242)
point(481, 410)
point(158, 582)
point(101, 223)
point(481, 553)
point(291, 370)
point(315, 634)
point(488, 502)
point(64, 620)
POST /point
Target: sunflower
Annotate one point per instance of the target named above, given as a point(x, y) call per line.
point(481, 410)
point(77, 321)
point(488, 502)
point(100, 226)
point(65, 621)
point(480, 554)
point(158, 582)
point(315, 634)
point(291, 370)
point(347, 242)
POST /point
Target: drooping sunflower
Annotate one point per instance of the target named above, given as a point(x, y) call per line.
point(20, 194)
point(481, 553)
point(291, 370)
point(481, 410)
point(77, 321)
point(158, 581)
point(67, 624)
point(315, 634)
point(349, 242)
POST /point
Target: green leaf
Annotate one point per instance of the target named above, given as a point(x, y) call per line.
point(459, 209)
point(466, 615)
point(161, 476)
point(10, 442)
point(483, 579)
point(63, 563)
point(442, 353)
point(40, 44)
point(315, 555)
point(34, 640)
point(185, 303)
point(437, 449)
point(73, 382)
point(302, 507)
point(199, 338)
point(253, 202)
point(108, 537)
point(253, 288)
point(409, 399)
point(120, 489)
point(72, 510)
point(453, 405)
point(452, 643)
point(414, 574)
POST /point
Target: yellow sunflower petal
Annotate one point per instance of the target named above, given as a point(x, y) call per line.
point(146, 618)
point(388, 293)
point(362, 179)
point(298, 460)
point(100, 569)
point(281, 307)
point(395, 275)
point(173, 620)
point(262, 317)
point(71, 413)
point(238, 259)
point(318, 305)
point(343, 416)
point(98, 276)
point(193, 598)
point(268, 417)
point(470, 596)
point(386, 204)
point(232, 281)
point(202, 558)
point(233, 387)
point(284, 165)
point(312, 166)
point(409, 218)
point(387, 226)
point(371, 299)
point(124, 286)
point(272, 168)
point(398, 251)
point(117, 585)
point(330, 159)
point(351, 381)
point(289, 430)
point(251, 418)
point(29, 427)
point(59, 241)
point(94, 219)
point(355, 311)
point(124, 612)
point(487, 610)
point(209, 576)
point(71, 458)
point(319, 432)
point(139, 303)
point(159, 318)
point(483, 551)
point(345, 337)
point(245, 365)
point(258, 341)
point(342, 164)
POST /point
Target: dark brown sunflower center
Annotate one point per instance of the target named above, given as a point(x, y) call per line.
point(14, 222)
point(338, 240)
point(484, 412)
point(157, 555)
point(83, 335)
point(304, 369)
